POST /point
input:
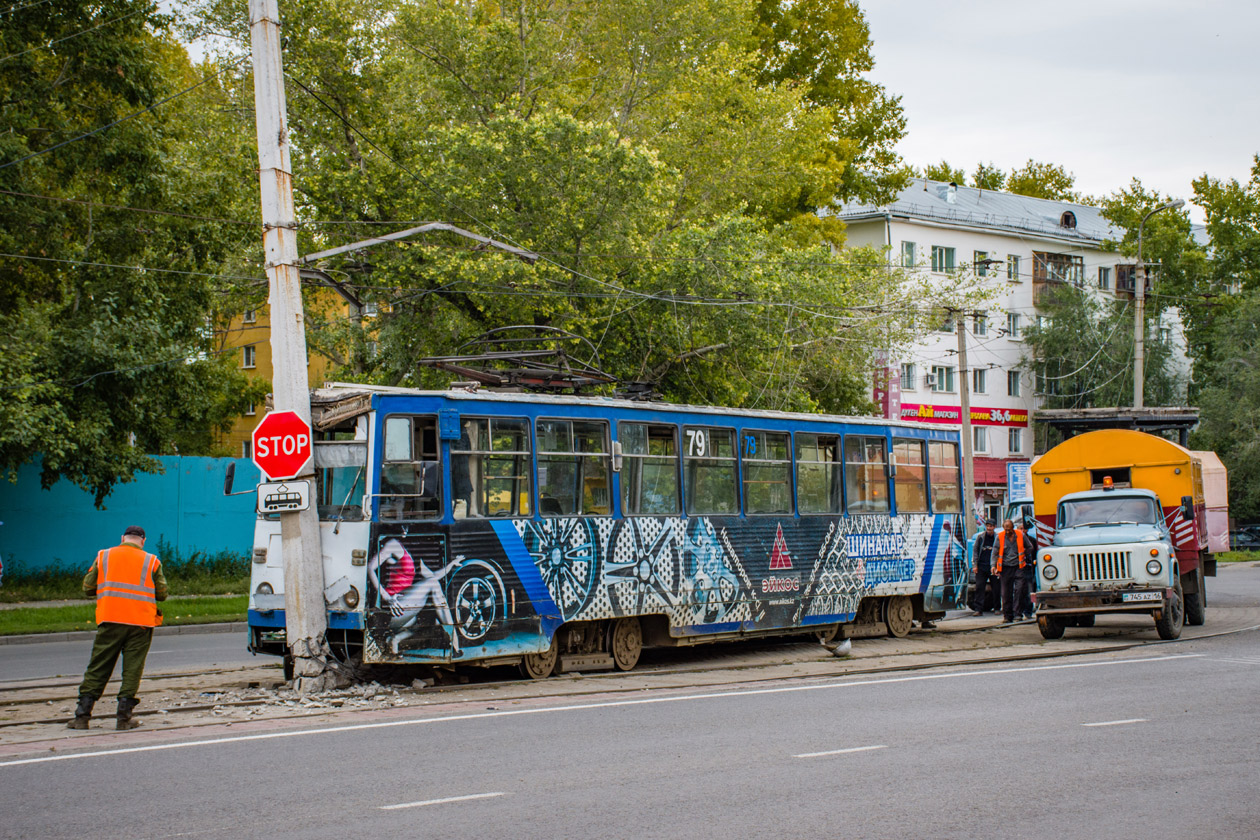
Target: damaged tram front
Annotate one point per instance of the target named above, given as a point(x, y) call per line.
point(566, 533)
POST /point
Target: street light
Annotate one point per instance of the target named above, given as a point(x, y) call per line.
point(1139, 314)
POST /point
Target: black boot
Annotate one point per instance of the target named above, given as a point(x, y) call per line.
point(82, 712)
point(125, 705)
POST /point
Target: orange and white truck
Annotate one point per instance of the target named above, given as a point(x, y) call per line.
point(1123, 527)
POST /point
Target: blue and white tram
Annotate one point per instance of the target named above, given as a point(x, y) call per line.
point(554, 532)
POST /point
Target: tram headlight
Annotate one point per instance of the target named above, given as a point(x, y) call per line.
point(351, 598)
point(1049, 572)
point(1154, 567)
point(264, 588)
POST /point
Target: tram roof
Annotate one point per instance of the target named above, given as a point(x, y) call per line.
point(334, 393)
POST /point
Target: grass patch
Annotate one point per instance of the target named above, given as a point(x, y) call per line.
point(82, 616)
point(1238, 557)
point(224, 573)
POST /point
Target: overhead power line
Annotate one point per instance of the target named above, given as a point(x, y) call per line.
point(68, 37)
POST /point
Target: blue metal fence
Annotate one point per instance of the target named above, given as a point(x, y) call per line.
point(185, 507)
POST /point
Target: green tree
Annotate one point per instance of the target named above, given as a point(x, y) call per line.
point(1043, 180)
point(101, 363)
point(988, 177)
point(944, 172)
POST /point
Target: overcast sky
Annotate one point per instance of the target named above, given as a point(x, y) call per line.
point(1111, 89)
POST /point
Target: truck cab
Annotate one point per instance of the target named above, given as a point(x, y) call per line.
point(1111, 552)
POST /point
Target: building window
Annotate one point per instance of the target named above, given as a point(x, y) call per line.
point(908, 254)
point(245, 444)
point(370, 310)
point(980, 438)
point(251, 410)
point(250, 316)
point(248, 356)
point(980, 324)
point(947, 326)
point(1012, 268)
point(980, 261)
point(1104, 277)
point(1165, 334)
point(979, 380)
point(1015, 440)
point(942, 259)
point(907, 377)
point(1058, 268)
point(1012, 383)
point(1012, 324)
point(942, 378)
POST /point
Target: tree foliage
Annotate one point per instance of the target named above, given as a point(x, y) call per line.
point(1043, 180)
point(102, 364)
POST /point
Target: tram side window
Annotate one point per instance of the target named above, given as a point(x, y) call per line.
point(411, 475)
point(818, 474)
point(946, 493)
point(911, 480)
point(573, 468)
point(340, 477)
point(649, 469)
point(491, 469)
point(865, 474)
point(767, 472)
point(709, 463)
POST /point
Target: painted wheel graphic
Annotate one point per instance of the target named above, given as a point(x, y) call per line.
point(642, 574)
point(567, 555)
point(477, 600)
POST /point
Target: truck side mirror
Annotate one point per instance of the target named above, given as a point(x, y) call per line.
point(228, 478)
point(1187, 508)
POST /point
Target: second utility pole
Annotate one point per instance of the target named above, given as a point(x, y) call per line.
point(306, 622)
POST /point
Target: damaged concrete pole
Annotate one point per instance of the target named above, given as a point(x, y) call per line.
point(306, 622)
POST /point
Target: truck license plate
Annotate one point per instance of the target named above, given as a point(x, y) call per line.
point(1141, 596)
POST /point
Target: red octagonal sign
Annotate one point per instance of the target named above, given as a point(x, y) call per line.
point(281, 444)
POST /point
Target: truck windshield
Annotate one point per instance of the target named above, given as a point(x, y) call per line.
point(1112, 510)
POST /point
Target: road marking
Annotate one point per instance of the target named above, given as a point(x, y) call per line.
point(1116, 722)
point(842, 752)
point(577, 707)
point(441, 801)
point(1239, 661)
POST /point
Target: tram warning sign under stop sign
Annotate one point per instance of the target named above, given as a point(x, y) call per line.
point(281, 444)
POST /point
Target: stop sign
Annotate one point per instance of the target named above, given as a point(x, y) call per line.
point(281, 444)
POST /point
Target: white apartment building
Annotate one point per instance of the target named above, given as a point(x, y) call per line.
point(1023, 246)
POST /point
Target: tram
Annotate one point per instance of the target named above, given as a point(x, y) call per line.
point(566, 533)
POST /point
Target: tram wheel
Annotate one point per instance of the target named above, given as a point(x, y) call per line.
point(625, 643)
point(828, 634)
point(539, 666)
point(898, 616)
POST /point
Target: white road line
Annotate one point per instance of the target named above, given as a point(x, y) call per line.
point(1239, 661)
point(1116, 722)
point(441, 801)
point(842, 752)
point(577, 707)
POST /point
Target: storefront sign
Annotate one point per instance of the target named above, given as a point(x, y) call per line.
point(952, 414)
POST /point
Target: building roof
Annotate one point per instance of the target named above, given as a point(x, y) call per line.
point(927, 200)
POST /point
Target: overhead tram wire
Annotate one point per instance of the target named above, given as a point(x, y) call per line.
point(68, 37)
point(121, 120)
point(148, 366)
point(261, 280)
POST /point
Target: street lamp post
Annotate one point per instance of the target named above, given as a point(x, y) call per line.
point(1139, 314)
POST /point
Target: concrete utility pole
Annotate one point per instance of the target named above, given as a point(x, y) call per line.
point(305, 620)
point(964, 393)
point(1139, 310)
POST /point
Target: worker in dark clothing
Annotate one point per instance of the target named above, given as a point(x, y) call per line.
point(1010, 556)
point(127, 584)
point(987, 594)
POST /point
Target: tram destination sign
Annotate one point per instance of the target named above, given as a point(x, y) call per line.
point(281, 445)
point(284, 496)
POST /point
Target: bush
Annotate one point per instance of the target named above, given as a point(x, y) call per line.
point(222, 573)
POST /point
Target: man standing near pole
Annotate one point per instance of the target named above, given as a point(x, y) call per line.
point(127, 584)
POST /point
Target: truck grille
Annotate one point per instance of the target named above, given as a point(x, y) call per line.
point(1101, 565)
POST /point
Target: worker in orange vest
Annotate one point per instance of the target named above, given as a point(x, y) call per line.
point(127, 584)
point(1009, 557)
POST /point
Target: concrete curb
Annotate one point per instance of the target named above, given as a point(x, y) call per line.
point(79, 635)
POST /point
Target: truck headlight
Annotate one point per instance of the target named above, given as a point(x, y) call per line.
point(1154, 567)
point(1049, 572)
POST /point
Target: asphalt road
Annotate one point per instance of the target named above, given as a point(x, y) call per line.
point(1150, 743)
point(42, 660)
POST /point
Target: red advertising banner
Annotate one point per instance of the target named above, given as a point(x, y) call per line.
point(887, 387)
point(952, 414)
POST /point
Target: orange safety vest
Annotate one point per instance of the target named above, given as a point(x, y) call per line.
point(1001, 549)
point(124, 586)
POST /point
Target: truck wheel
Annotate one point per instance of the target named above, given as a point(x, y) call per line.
point(1196, 603)
point(1173, 616)
point(1051, 626)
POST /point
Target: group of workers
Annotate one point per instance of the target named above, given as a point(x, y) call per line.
point(1005, 567)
